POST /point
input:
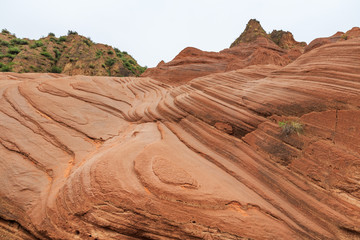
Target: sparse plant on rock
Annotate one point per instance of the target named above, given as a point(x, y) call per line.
point(290, 127)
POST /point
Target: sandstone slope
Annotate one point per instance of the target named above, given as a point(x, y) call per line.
point(135, 158)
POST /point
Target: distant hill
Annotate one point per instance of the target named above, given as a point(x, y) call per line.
point(254, 30)
point(253, 47)
point(72, 54)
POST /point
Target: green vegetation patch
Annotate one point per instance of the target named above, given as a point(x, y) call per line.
point(87, 42)
point(18, 41)
point(70, 32)
point(290, 127)
point(5, 31)
point(47, 55)
point(5, 67)
point(14, 50)
point(57, 54)
point(55, 69)
point(110, 62)
point(98, 54)
point(36, 69)
point(4, 43)
point(62, 39)
point(37, 44)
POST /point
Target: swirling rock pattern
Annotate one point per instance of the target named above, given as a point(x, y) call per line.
point(135, 158)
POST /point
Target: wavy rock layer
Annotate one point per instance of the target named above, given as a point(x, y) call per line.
point(134, 158)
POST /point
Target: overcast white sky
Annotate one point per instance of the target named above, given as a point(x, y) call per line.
point(155, 30)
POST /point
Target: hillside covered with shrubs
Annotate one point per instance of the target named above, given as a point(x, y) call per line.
point(72, 54)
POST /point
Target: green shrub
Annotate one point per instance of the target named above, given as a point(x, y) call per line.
point(54, 40)
point(92, 66)
point(131, 62)
point(62, 39)
point(87, 42)
point(110, 61)
point(70, 32)
point(4, 43)
point(55, 69)
point(141, 70)
point(36, 44)
point(51, 34)
point(13, 50)
point(5, 31)
point(18, 41)
point(36, 69)
point(5, 67)
point(290, 127)
point(99, 53)
point(57, 54)
point(9, 55)
point(344, 36)
point(118, 53)
point(47, 55)
point(127, 65)
point(110, 52)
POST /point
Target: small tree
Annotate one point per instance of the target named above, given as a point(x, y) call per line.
point(70, 32)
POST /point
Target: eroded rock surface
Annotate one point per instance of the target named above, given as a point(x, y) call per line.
point(253, 47)
point(135, 158)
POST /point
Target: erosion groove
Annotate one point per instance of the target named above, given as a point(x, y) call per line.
point(142, 158)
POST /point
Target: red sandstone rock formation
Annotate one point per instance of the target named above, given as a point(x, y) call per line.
point(339, 36)
point(253, 47)
point(135, 158)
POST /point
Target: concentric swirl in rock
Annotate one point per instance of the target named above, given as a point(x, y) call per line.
point(168, 172)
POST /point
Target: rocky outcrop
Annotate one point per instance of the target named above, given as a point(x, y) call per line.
point(253, 47)
point(339, 36)
point(134, 158)
point(252, 32)
point(192, 63)
point(285, 40)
